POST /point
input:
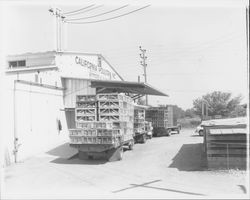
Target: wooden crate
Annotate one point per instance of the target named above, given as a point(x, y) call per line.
point(85, 98)
point(103, 119)
point(91, 104)
point(110, 96)
point(86, 111)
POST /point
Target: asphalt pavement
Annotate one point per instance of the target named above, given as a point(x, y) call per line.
point(163, 167)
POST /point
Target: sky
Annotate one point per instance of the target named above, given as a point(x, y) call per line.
point(192, 47)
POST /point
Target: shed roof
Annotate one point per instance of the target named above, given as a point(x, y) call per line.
point(126, 87)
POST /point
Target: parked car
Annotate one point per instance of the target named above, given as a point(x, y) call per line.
point(199, 130)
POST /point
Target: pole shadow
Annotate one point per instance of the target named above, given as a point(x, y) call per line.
point(146, 185)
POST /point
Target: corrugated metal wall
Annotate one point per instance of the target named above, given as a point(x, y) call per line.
point(75, 87)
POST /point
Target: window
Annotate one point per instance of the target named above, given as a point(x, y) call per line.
point(12, 64)
point(17, 63)
point(21, 63)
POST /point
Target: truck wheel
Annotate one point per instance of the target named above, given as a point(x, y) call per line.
point(131, 145)
point(168, 132)
point(178, 131)
point(120, 153)
point(144, 139)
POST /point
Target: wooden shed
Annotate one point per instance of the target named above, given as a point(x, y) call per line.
point(226, 143)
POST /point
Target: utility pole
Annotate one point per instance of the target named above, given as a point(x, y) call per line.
point(144, 64)
point(204, 110)
point(59, 18)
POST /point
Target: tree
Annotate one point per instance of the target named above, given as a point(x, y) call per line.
point(240, 111)
point(190, 113)
point(220, 103)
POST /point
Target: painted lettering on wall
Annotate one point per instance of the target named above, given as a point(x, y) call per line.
point(94, 68)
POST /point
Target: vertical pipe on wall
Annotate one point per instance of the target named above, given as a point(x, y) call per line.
point(15, 122)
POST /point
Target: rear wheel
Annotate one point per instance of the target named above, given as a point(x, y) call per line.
point(131, 145)
point(144, 139)
point(201, 132)
point(120, 153)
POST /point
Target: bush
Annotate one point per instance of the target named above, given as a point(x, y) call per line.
point(189, 122)
point(195, 122)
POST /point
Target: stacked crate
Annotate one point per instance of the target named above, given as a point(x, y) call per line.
point(86, 108)
point(119, 110)
point(161, 117)
point(103, 119)
point(139, 120)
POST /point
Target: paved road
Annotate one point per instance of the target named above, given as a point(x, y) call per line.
point(164, 167)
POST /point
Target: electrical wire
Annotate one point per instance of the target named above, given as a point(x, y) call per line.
point(66, 13)
point(90, 22)
point(98, 14)
point(85, 11)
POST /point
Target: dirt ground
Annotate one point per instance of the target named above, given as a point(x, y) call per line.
point(164, 167)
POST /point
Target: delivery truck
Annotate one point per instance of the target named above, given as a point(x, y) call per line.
point(163, 119)
point(104, 124)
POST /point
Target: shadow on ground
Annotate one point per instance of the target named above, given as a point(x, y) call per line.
point(76, 160)
point(149, 186)
point(190, 158)
point(69, 155)
point(63, 151)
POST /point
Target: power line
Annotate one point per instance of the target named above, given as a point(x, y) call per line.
point(90, 22)
point(85, 11)
point(66, 13)
point(98, 14)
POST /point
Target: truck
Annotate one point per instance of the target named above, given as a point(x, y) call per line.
point(142, 128)
point(163, 119)
point(104, 125)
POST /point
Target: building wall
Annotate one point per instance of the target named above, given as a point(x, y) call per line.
point(38, 111)
point(35, 117)
point(35, 110)
point(39, 59)
point(75, 87)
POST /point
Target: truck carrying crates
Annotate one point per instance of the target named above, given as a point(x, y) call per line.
point(142, 128)
point(104, 123)
point(163, 119)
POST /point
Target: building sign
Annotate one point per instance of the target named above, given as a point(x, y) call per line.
point(94, 69)
point(85, 67)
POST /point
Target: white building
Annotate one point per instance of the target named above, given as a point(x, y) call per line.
point(40, 97)
point(42, 89)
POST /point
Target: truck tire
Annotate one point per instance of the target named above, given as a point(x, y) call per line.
point(178, 131)
point(131, 145)
point(144, 139)
point(120, 153)
point(168, 131)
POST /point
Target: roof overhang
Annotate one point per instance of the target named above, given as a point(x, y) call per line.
point(125, 87)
